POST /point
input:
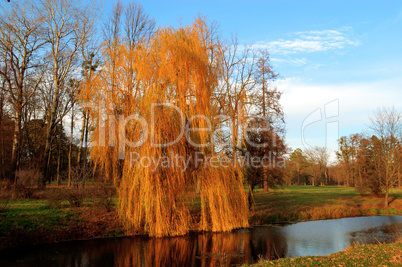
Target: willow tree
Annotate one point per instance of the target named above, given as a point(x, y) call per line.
point(152, 127)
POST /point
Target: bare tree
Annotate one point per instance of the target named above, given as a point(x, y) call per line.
point(112, 26)
point(233, 94)
point(68, 26)
point(386, 124)
point(318, 161)
point(137, 27)
point(70, 147)
point(2, 133)
point(90, 55)
point(126, 26)
point(21, 38)
point(138, 24)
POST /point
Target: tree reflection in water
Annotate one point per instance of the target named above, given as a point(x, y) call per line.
point(212, 249)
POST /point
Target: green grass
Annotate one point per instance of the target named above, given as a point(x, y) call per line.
point(366, 255)
point(33, 215)
point(299, 203)
point(301, 196)
point(29, 219)
point(305, 203)
point(25, 222)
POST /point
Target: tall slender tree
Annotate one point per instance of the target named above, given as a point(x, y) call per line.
point(21, 38)
point(267, 100)
point(69, 24)
point(233, 94)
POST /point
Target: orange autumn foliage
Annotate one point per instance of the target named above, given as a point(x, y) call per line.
point(142, 99)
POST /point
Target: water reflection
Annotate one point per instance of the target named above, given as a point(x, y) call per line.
point(213, 249)
point(268, 242)
point(208, 249)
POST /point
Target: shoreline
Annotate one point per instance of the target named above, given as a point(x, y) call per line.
point(110, 235)
point(34, 222)
point(383, 254)
point(290, 261)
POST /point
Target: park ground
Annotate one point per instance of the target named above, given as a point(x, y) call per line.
point(62, 214)
point(365, 255)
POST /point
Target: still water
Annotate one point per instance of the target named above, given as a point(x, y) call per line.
point(209, 249)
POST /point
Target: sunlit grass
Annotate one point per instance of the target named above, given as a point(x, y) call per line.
point(300, 203)
point(366, 255)
point(24, 218)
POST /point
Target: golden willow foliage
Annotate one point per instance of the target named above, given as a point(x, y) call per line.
point(180, 67)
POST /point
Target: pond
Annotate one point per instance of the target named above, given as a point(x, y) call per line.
point(213, 249)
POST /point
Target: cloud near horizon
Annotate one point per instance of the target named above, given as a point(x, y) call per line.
point(309, 42)
point(357, 101)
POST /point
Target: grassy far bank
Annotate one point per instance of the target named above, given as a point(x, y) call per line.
point(365, 255)
point(53, 219)
point(33, 222)
point(59, 217)
point(305, 203)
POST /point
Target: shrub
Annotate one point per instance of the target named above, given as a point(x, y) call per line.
point(371, 187)
point(104, 197)
point(5, 185)
point(25, 182)
point(75, 197)
point(54, 199)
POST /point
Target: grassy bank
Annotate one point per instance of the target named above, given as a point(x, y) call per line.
point(57, 216)
point(305, 203)
point(61, 214)
point(366, 255)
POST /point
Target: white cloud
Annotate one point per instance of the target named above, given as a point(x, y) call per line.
point(357, 96)
point(357, 101)
point(309, 42)
point(291, 61)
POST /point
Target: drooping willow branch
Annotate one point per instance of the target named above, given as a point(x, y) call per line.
point(175, 73)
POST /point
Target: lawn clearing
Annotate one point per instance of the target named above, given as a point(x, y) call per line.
point(25, 221)
point(303, 203)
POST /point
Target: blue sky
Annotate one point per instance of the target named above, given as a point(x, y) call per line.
point(342, 57)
